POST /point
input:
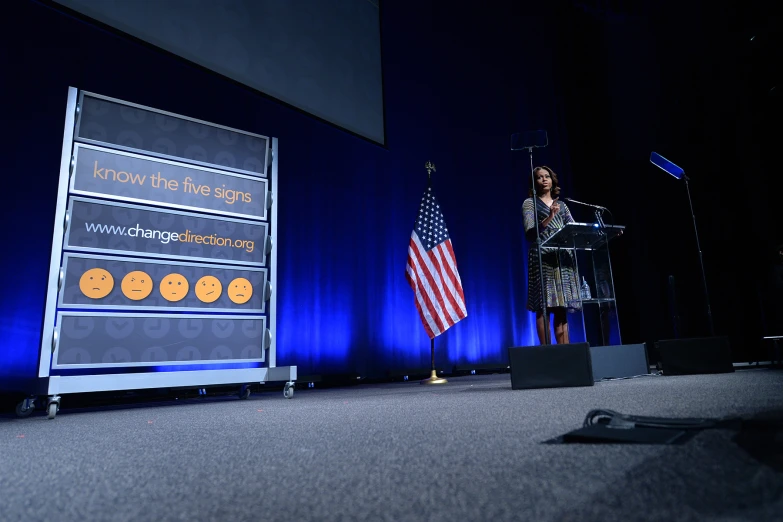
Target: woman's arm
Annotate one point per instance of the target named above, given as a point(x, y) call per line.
point(529, 219)
point(567, 217)
point(529, 216)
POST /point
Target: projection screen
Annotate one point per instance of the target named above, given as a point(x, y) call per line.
point(320, 56)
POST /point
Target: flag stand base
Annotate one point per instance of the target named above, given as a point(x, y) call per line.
point(433, 379)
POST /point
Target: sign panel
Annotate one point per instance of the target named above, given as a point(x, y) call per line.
point(130, 177)
point(162, 134)
point(103, 226)
point(89, 340)
point(121, 283)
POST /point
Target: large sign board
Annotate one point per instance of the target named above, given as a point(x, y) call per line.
point(164, 256)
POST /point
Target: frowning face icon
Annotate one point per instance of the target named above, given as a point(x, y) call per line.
point(240, 290)
point(96, 283)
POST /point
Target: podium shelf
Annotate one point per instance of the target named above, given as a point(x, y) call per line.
point(582, 236)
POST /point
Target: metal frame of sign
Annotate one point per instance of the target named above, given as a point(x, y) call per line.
point(147, 380)
point(53, 285)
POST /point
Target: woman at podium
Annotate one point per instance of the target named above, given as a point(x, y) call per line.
point(561, 285)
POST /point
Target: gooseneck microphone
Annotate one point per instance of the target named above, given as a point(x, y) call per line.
point(585, 204)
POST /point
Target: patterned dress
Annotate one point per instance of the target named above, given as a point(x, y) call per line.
point(560, 278)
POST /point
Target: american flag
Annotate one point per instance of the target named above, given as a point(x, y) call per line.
point(432, 270)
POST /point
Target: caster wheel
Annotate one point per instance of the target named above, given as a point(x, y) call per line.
point(245, 393)
point(25, 408)
point(288, 391)
point(52, 409)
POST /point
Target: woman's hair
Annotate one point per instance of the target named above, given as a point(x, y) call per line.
point(555, 185)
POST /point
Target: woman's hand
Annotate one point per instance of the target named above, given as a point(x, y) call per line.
point(554, 208)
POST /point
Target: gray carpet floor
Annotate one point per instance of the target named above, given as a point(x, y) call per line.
point(472, 449)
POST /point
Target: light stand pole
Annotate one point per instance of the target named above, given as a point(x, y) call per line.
point(701, 258)
point(672, 169)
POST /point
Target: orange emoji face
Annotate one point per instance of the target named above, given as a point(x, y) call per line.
point(137, 285)
point(240, 290)
point(208, 289)
point(96, 283)
point(174, 287)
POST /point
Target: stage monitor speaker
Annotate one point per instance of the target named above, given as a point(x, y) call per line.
point(550, 366)
point(693, 356)
point(616, 362)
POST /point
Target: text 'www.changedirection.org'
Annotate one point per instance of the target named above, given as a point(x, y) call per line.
point(165, 237)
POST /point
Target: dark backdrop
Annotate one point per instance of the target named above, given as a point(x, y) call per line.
point(608, 86)
point(693, 81)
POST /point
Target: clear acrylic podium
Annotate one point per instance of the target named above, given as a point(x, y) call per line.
point(590, 244)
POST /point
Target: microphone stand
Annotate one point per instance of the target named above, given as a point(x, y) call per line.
point(600, 218)
point(599, 212)
point(547, 334)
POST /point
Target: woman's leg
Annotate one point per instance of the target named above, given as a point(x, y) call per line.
point(542, 327)
point(561, 326)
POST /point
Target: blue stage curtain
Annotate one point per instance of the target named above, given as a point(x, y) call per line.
point(457, 84)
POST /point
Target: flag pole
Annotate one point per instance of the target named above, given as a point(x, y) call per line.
point(433, 378)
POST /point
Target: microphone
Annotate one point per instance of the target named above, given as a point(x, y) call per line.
point(585, 204)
